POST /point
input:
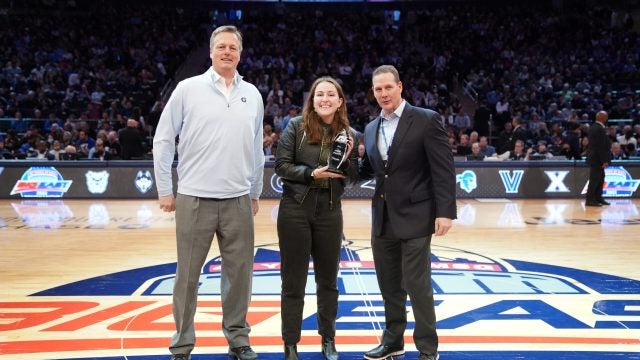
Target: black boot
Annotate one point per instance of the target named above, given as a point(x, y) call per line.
point(290, 352)
point(329, 349)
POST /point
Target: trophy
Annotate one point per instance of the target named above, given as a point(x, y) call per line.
point(338, 152)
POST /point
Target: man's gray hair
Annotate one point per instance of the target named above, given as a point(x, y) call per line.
point(225, 28)
point(387, 69)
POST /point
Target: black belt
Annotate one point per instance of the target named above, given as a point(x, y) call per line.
point(319, 188)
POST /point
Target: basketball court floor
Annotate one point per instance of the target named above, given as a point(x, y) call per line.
point(514, 279)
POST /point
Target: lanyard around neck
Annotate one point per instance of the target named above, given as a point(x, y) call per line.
point(384, 136)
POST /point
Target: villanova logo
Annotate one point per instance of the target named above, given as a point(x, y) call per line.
point(468, 181)
point(511, 182)
point(143, 181)
point(97, 181)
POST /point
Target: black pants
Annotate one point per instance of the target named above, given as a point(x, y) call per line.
point(596, 181)
point(403, 266)
point(309, 229)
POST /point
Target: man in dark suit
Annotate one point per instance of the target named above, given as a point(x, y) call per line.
point(408, 154)
point(131, 141)
point(598, 158)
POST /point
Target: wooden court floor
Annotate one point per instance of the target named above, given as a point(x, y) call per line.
point(514, 279)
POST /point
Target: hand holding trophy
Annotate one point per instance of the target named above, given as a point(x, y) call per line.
point(340, 149)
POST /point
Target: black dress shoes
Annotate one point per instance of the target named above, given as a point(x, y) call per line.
point(243, 353)
point(180, 357)
point(431, 356)
point(290, 352)
point(329, 349)
point(592, 203)
point(384, 351)
point(604, 202)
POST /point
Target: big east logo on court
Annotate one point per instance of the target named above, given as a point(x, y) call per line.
point(473, 293)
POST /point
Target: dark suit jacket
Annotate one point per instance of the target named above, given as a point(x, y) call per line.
point(599, 150)
point(131, 144)
point(418, 183)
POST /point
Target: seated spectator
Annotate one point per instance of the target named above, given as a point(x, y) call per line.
point(556, 146)
point(113, 145)
point(4, 152)
point(631, 150)
point(627, 136)
point(267, 146)
point(293, 112)
point(70, 153)
point(19, 124)
point(84, 144)
point(584, 146)
point(617, 153)
point(475, 153)
point(55, 153)
point(485, 148)
point(99, 152)
point(571, 142)
point(41, 151)
point(518, 152)
point(464, 148)
point(541, 152)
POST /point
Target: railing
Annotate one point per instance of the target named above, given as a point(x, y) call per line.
point(470, 91)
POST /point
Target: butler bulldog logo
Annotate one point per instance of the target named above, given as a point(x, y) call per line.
point(143, 181)
point(97, 181)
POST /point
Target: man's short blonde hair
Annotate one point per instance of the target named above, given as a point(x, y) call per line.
point(225, 28)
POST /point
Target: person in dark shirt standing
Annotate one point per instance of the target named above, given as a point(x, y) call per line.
point(598, 158)
point(131, 141)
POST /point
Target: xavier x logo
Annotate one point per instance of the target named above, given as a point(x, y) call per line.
point(557, 181)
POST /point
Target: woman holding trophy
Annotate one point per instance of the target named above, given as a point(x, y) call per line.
point(315, 161)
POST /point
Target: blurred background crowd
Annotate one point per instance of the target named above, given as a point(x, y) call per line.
point(511, 80)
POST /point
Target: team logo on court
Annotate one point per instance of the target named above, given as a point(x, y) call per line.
point(43, 181)
point(144, 181)
point(520, 309)
point(617, 183)
point(97, 181)
point(467, 180)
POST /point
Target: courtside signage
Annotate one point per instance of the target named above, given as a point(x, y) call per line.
point(43, 181)
point(617, 183)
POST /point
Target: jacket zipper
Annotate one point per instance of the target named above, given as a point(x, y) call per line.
point(329, 180)
point(304, 134)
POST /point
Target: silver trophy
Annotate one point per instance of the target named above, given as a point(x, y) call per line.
point(338, 152)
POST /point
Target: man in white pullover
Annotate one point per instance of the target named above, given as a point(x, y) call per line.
point(218, 119)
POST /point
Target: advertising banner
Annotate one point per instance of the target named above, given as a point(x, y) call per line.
point(124, 180)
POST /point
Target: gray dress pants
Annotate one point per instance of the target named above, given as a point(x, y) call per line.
point(197, 221)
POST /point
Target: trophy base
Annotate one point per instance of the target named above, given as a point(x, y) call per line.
point(336, 171)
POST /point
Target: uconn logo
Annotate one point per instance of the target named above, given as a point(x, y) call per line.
point(276, 183)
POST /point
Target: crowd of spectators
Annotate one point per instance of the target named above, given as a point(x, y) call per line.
point(71, 69)
point(538, 73)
